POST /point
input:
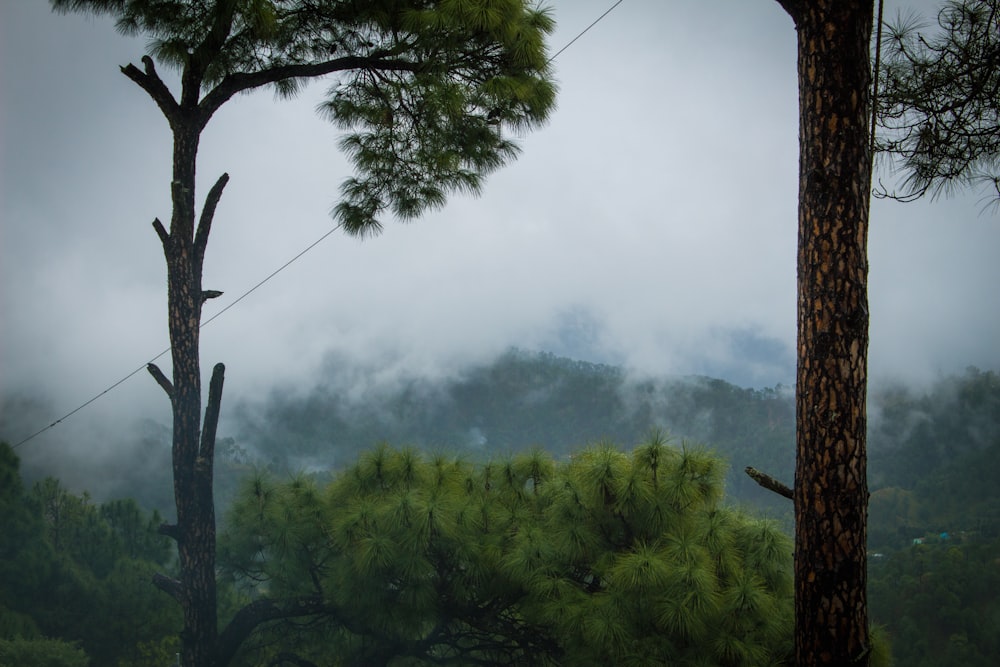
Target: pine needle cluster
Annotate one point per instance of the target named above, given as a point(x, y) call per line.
point(938, 100)
point(608, 558)
point(431, 95)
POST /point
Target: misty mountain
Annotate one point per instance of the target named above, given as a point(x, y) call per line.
point(934, 523)
point(520, 401)
point(524, 400)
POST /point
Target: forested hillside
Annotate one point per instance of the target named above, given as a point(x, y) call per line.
point(934, 535)
point(520, 401)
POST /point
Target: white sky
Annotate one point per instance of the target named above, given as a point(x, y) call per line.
point(651, 223)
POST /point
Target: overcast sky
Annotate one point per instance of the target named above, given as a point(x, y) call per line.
point(651, 223)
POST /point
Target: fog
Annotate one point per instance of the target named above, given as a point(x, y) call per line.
point(650, 224)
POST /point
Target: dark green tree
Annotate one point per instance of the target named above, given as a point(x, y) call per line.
point(41, 653)
point(400, 556)
point(939, 601)
point(25, 556)
point(633, 560)
point(939, 100)
point(79, 572)
point(425, 92)
point(610, 558)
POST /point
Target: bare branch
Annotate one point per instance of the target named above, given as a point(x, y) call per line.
point(161, 379)
point(237, 83)
point(151, 82)
point(170, 530)
point(211, 423)
point(161, 231)
point(171, 587)
point(769, 483)
point(205, 222)
point(260, 611)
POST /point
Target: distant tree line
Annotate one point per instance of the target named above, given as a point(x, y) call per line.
point(75, 578)
point(934, 454)
point(407, 558)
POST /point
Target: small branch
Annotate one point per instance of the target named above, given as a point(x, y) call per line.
point(161, 232)
point(212, 413)
point(207, 294)
point(151, 82)
point(205, 222)
point(237, 83)
point(161, 379)
point(171, 587)
point(261, 611)
point(769, 483)
point(170, 530)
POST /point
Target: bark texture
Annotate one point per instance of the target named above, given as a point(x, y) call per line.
point(184, 245)
point(193, 450)
point(831, 490)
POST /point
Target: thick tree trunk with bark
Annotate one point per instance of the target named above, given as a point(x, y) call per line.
point(831, 490)
point(193, 447)
point(193, 442)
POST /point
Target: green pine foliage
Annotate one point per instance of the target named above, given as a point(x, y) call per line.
point(432, 94)
point(937, 100)
point(607, 558)
point(80, 572)
point(41, 653)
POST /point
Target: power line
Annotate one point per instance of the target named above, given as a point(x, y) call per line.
point(201, 326)
point(269, 277)
point(584, 31)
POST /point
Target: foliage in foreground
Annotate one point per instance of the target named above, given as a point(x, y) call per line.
point(938, 101)
point(41, 653)
point(80, 572)
point(605, 558)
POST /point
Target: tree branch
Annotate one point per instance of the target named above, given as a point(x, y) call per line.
point(769, 483)
point(161, 379)
point(193, 75)
point(211, 423)
point(170, 530)
point(161, 232)
point(205, 222)
point(237, 83)
point(260, 611)
point(171, 587)
point(151, 82)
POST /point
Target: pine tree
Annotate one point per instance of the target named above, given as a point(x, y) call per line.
point(831, 488)
point(425, 90)
point(610, 558)
point(939, 100)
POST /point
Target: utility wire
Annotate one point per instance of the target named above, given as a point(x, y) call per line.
point(200, 326)
point(271, 275)
point(584, 31)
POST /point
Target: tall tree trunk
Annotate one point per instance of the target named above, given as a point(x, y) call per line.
point(193, 441)
point(831, 490)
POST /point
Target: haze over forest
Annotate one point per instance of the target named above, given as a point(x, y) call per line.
point(640, 227)
point(644, 241)
point(519, 401)
point(933, 457)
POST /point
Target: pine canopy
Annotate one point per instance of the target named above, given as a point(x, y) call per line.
point(609, 558)
point(424, 89)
